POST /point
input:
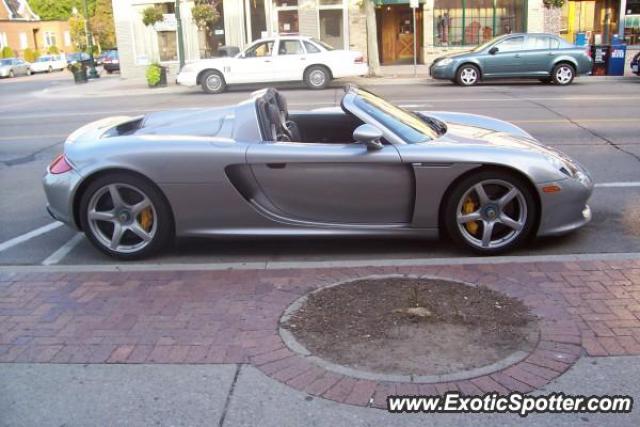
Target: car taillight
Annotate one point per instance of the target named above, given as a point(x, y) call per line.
point(358, 60)
point(59, 165)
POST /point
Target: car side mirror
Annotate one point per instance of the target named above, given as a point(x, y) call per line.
point(368, 135)
point(494, 50)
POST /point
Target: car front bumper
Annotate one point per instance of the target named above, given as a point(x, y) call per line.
point(187, 78)
point(447, 72)
point(60, 190)
point(567, 209)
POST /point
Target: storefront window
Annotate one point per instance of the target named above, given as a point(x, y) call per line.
point(472, 22)
point(331, 20)
point(167, 46)
point(287, 15)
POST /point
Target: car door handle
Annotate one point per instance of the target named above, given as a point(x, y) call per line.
point(517, 55)
point(276, 165)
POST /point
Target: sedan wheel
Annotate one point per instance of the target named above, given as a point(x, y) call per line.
point(213, 82)
point(28, 71)
point(124, 216)
point(317, 77)
point(563, 74)
point(491, 212)
point(468, 75)
point(11, 74)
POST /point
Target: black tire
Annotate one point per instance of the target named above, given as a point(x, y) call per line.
point(462, 188)
point(563, 74)
point(464, 75)
point(50, 70)
point(213, 82)
point(164, 230)
point(28, 71)
point(11, 74)
point(317, 77)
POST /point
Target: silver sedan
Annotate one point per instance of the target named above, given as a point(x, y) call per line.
point(11, 67)
point(367, 168)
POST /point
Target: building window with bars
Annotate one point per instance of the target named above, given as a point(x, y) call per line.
point(472, 22)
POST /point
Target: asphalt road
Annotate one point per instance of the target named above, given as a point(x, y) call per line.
point(594, 120)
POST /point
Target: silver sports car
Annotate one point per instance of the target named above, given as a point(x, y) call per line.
point(367, 168)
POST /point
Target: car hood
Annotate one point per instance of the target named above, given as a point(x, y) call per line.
point(453, 55)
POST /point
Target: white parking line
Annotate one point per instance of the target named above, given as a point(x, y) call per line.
point(63, 250)
point(28, 236)
point(631, 184)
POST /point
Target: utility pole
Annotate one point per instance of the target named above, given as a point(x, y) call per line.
point(179, 31)
point(93, 74)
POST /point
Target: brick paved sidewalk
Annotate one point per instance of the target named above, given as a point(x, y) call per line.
point(232, 317)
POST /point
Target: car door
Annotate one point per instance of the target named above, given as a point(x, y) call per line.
point(290, 60)
point(537, 55)
point(21, 67)
point(504, 59)
point(341, 183)
point(255, 65)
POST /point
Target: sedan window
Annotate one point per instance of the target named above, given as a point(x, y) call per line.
point(537, 43)
point(311, 48)
point(511, 44)
point(259, 50)
point(290, 47)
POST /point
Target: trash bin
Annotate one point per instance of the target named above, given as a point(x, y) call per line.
point(581, 39)
point(615, 66)
point(600, 57)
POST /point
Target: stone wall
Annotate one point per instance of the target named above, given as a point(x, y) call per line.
point(552, 19)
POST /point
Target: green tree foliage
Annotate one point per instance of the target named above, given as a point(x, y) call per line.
point(7, 52)
point(78, 34)
point(102, 25)
point(60, 10)
point(31, 55)
point(151, 15)
point(53, 50)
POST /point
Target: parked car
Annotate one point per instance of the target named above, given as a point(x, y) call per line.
point(11, 67)
point(367, 168)
point(110, 61)
point(81, 57)
point(291, 58)
point(546, 57)
point(635, 64)
point(48, 63)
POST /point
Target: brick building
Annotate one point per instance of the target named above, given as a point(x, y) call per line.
point(20, 29)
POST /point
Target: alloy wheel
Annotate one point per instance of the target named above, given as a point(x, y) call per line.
point(491, 214)
point(564, 74)
point(122, 218)
point(468, 76)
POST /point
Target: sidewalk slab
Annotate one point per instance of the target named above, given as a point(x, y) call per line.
point(203, 317)
point(137, 395)
point(258, 400)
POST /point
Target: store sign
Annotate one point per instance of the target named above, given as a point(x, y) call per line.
point(414, 4)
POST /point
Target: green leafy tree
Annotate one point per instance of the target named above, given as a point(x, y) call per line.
point(205, 14)
point(7, 52)
point(31, 55)
point(78, 33)
point(102, 25)
point(151, 15)
point(60, 10)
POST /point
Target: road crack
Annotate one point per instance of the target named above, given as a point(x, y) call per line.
point(228, 401)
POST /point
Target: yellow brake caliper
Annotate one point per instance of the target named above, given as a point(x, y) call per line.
point(467, 208)
point(146, 219)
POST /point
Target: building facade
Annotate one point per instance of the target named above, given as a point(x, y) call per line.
point(22, 29)
point(441, 25)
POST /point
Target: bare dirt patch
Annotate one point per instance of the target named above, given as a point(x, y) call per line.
point(412, 326)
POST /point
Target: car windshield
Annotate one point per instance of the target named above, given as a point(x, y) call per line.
point(5, 61)
point(43, 59)
point(485, 45)
point(327, 46)
point(406, 124)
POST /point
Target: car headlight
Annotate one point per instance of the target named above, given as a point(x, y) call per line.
point(564, 166)
point(444, 62)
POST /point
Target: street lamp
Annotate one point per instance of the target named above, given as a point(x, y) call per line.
point(93, 74)
point(179, 31)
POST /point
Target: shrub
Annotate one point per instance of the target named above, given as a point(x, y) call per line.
point(31, 55)
point(53, 50)
point(7, 52)
point(151, 15)
point(153, 74)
